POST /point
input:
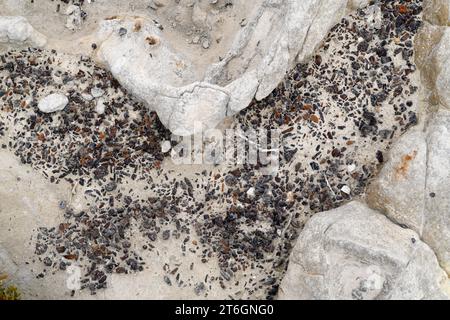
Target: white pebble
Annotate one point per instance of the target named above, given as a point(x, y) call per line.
point(52, 103)
point(346, 190)
point(251, 193)
point(351, 168)
point(166, 146)
point(206, 44)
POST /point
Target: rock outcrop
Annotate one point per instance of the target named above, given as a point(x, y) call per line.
point(53, 102)
point(18, 30)
point(441, 59)
point(277, 35)
point(413, 187)
point(356, 253)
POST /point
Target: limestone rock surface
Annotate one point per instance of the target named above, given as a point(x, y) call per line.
point(356, 253)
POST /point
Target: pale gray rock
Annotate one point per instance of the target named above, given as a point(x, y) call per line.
point(199, 106)
point(436, 232)
point(279, 33)
point(442, 67)
point(53, 102)
point(399, 191)
point(414, 185)
point(17, 30)
point(282, 33)
point(356, 253)
point(17, 276)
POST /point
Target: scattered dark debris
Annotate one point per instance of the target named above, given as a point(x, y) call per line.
point(349, 98)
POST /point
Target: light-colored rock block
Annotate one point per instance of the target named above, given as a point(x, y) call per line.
point(18, 30)
point(277, 36)
point(413, 188)
point(399, 191)
point(356, 253)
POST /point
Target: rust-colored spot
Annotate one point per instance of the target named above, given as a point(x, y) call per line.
point(99, 250)
point(314, 118)
point(287, 120)
point(225, 246)
point(112, 18)
point(85, 160)
point(41, 137)
point(402, 170)
point(32, 61)
point(307, 107)
point(235, 197)
point(102, 136)
point(350, 142)
point(277, 114)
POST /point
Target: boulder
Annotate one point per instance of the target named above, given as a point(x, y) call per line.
point(413, 187)
point(436, 231)
point(18, 30)
point(356, 253)
point(399, 191)
point(280, 32)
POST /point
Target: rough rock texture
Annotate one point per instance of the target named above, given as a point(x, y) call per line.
point(53, 102)
point(441, 60)
point(413, 187)
point(356, 253)
point(18, 30)
point(355, 4)
point(436, 232)
point(279, 34)
point(399, 190)
point(437, 12)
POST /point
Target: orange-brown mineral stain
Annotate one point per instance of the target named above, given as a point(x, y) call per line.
point(402, 170)
point(402, 9)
